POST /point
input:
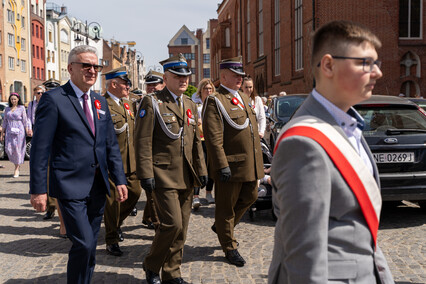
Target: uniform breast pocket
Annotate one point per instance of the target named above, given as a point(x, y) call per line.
point(238, 116)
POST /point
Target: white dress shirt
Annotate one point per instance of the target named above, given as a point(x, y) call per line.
point(80, 94)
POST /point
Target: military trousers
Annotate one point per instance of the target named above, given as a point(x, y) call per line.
point(149, 212)
point(115, 212)
point(173, 208)
point(232, 201)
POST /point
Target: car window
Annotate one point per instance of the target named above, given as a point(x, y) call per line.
point(2, 107)
point(286, 107)
point(379, 119)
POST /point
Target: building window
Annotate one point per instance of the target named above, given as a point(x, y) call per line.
point(298, 35)
point(11, 40)
point(184, 41)
point(38, 73)
point(32, 29)
point(33, 51)
point(48, 56)
point(38, 52)
point(42, 73)
point(49, 74)
point(10, 16)
point(41, 32)
point(42, 53)
point(50, 36)
point(248, 32)
point(53, 74)
point(23, 44)
point(260, 28)
point(23, 22)
point(53, 56)
point(207, 43)
point(1, 60)
point(36, 28)
point(0, 37)
point(277, 38)
point(189, 56)
point(410, 18)
point(23, 66)
point(193, 70)
point(11, 63)
point(227, 37)
point(206, 73)
point(206, 58)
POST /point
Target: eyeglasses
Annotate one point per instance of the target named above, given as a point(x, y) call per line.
point(88, 66)
point(367, 62)
point(39, 92)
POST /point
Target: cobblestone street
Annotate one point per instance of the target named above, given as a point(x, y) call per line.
point(32, 252)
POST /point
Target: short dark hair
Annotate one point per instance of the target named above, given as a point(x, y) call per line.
point(19, 99)
point(334, 38)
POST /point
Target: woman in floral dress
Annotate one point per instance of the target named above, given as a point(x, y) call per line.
point(15, 128)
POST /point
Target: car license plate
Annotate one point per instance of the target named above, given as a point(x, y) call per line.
point(401, 157)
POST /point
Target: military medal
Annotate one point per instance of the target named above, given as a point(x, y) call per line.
point(189, 115)
point(126, 105)
point(98, 107)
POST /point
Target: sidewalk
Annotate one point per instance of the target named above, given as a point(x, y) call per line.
point(32, 252)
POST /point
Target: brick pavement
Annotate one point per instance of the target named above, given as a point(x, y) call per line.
point(32, 252)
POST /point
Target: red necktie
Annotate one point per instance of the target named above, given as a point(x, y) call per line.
point(87, 113)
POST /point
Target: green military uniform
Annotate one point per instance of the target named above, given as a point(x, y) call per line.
point(176, 162)
point(135, 97)
point(115, 212)
point(232, 140)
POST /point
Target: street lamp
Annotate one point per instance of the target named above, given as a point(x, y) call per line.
point(80, 29)
point(139, 60)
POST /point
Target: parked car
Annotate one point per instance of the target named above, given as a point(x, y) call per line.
point(280, 109)
point(395, 130)
point(420, 102)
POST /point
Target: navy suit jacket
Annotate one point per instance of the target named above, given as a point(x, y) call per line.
point(63, 139)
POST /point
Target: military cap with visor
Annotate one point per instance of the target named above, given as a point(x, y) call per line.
point(234, 64)
point(153, 77)
point(120, 72)
point(176, 65)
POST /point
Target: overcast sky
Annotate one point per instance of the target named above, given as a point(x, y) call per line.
point(151, 24)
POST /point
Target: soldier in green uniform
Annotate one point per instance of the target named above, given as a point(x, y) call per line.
point(154, 82)
point(170, 163)
point(123, 118)
point(234, 154)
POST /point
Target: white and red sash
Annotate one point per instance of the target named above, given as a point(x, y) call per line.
point(347, 161)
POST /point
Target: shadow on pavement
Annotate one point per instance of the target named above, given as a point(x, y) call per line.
point(98, 277)
point(192, 254)
point(16, 196)
point(402, 216)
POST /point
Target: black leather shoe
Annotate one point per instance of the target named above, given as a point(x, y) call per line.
point(149, 225)
point(151, 277)
point(175, 281)
point(114, 249)
point(234, 257)
point(134, 212)
point(120, 235)
point(49, 215)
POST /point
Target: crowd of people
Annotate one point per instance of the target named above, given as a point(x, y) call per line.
point(95, 153)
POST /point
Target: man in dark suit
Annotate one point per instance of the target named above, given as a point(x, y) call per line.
point(234, 154)
point(75, 135)
point(170, 163)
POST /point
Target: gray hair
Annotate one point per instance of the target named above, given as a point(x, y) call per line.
point(81, 49)
point(40, 87)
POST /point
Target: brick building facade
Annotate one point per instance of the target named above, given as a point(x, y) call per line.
point(195, 46)
point(38, 51)
point(274, 39)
